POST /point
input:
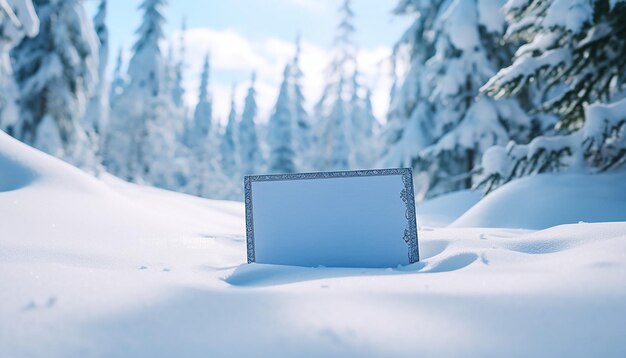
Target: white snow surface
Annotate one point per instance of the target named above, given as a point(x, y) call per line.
point(99, 267)
point(546, 200)
point(444, 209)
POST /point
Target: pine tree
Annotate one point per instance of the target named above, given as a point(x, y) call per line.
point(303, 130)
point(364, 131)
point(17, 20)
point(118, 83)
point(168, 81)
point(178, 92)
point(340, 70)
point(145, 142)
point(340, 152)
point(343, 62)
point(249, 149)
point(464, 124)
point(202, 144)
point(56, 72)
point(110, 139)
point(583, 47)
point(280, 131)
point(362, 126)
point(96, 116)
point(146, 65)
point(208, 180)
point(409, 127)
point(576, 55)
point(355, 128)
point(228, 146)
point(203, 113)
point(371, 125)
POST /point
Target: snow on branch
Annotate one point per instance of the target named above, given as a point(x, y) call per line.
point(598, 146)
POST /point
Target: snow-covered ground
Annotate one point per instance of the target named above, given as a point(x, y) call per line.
point(543, 201)
point(99, 267)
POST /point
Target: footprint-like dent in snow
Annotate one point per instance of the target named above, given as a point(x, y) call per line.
point(484, 259)
point(216, 267)
point(541, 247)
point(429, 249)
point(51, 302)
point(31, 305)
point(272, 275)
point(228, 237)
point(454, 263)
point(603, 265)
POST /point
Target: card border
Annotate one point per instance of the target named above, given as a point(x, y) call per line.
point(407, 195)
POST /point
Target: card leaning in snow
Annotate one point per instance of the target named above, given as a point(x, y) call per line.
point(337, 219)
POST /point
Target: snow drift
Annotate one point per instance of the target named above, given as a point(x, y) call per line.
point(444, 209)
point(546, 200)
point(97, 268)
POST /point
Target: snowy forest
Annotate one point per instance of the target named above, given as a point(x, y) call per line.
point(484, 92)
point(492, 225)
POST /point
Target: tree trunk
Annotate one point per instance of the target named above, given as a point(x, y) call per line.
point(470, 167)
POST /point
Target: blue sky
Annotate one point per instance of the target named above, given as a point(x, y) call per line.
point(257, 35)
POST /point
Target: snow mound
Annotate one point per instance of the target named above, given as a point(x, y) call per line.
point(13, 175)
point(546, 200)
point(93, 267)
point(64, 212)
point(443, 210)
point(22, 165)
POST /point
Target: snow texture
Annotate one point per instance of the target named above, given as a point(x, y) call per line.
point(117, 269)
point(546, 200)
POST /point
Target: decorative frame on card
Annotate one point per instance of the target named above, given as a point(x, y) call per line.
point(386, 187)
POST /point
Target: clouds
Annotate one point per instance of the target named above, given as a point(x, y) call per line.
point(234, 58)
point(317, 6)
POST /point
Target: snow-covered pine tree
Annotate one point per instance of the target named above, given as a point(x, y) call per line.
point(339, 72)
point(465, 124)
point(249, 149)
point(17, 19)
point(204, 171)
point(207, 179)
point(146, 67)
point(280, 130)
point(111, 138)
point(178, 92)
point(172, 84)
point(355, 127)
point(56, 72)
point(340, 151)
point(372, 126)
point(203, 113)
point(303, 130)
point(362, 126)
point(228, 145)
point(168, 82)
point(577, 53)
point(409, 127)
point(118, 84)
point(144, 145)
point(96, 115)
point(366, 149)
